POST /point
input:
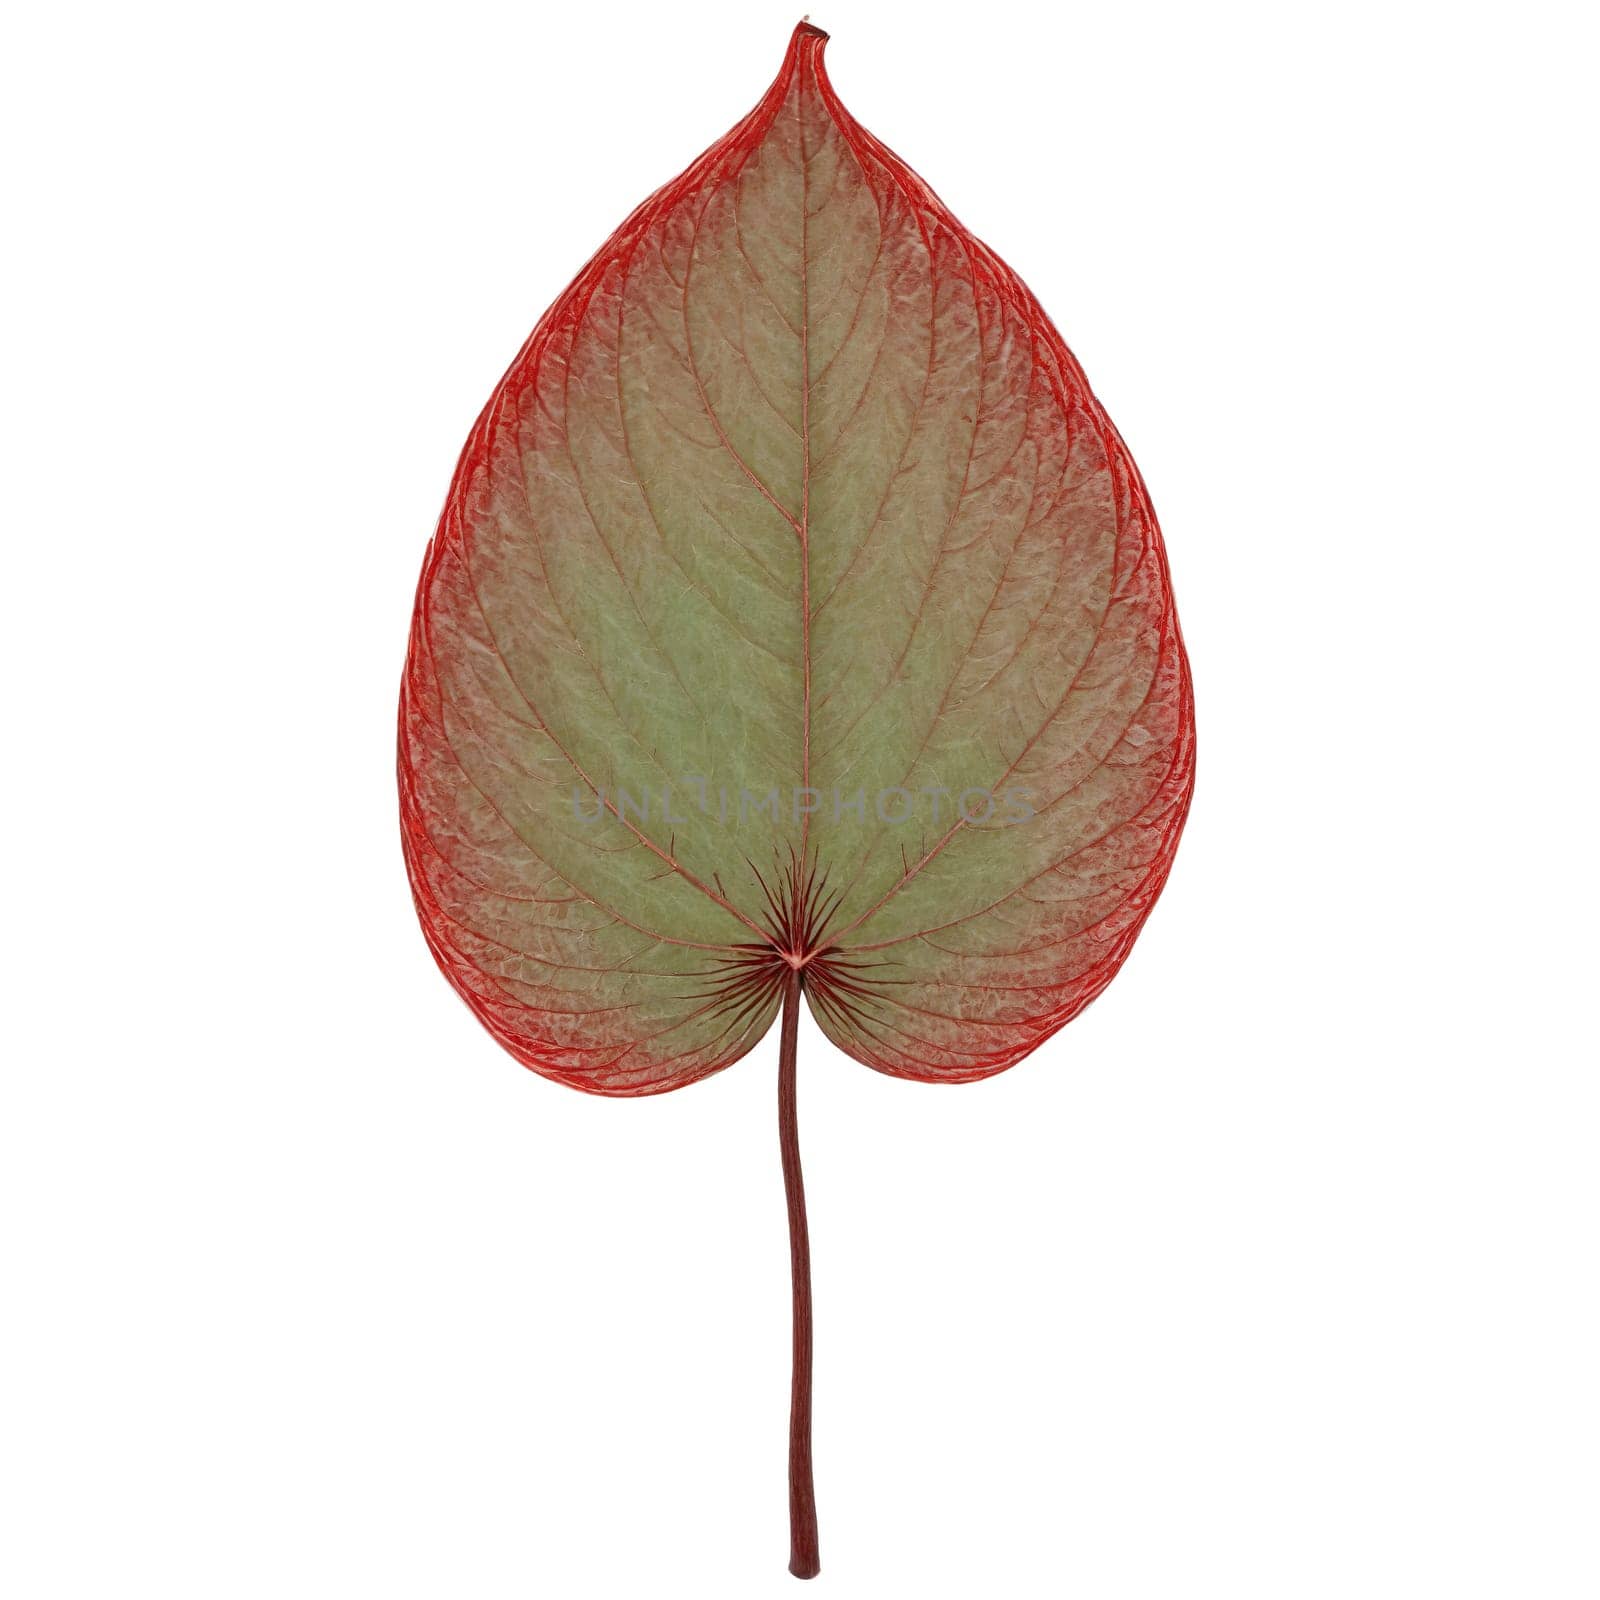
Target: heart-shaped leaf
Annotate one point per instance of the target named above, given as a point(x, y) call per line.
point(797, 620)
point(794, 534)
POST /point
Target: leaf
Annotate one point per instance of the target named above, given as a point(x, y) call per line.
point(797, 621)
point(795, 604)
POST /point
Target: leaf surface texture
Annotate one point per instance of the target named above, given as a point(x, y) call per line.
point(792, 541)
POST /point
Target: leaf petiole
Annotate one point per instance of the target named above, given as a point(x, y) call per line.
point(803, 1559)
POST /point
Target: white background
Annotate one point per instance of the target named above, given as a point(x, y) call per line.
point(1273, 1276)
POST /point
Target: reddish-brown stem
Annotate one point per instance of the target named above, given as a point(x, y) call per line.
point(803, 1562)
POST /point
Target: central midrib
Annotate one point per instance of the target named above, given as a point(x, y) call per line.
point(805, 469)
